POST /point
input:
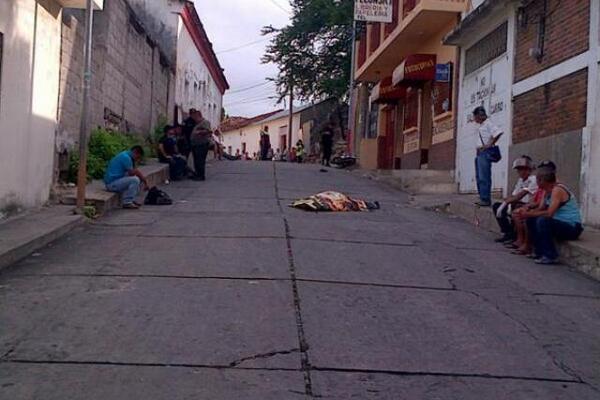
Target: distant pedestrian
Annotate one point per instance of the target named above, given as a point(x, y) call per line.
point(327, 134)
point(300, 152)
point(270, 154)
point(201, 141)
point(265, 143)
point(487, 153)
point(184, 143)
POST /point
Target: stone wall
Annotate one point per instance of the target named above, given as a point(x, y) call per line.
point(132, 81)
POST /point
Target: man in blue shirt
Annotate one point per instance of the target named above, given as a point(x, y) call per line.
point(122, 177)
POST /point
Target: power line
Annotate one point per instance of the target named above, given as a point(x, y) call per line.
point(249, 87)
point(250, 101)
point(243, 46)
point(276, 4)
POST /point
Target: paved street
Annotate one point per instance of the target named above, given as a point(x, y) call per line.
point(230, 294)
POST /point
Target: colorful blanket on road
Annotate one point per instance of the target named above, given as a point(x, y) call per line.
point(333, 201)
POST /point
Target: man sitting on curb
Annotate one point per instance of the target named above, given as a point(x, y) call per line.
point(122, 177)
point(524, 190)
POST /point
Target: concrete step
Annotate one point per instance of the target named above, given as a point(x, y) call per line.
point(105, 201)
point(418, 181)
point(25, 234)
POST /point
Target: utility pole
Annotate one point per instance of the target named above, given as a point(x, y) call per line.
point(291, 121)
point(85, 117)
point(352, 141)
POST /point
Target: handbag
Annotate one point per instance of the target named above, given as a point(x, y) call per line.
point(493, 152)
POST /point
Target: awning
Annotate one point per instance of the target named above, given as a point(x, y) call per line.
point(415, 67)
point(384, 92)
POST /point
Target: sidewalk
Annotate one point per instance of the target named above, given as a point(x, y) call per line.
point(26, 233)
point(583, 254)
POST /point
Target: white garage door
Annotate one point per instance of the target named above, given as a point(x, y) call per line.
point(489, 86)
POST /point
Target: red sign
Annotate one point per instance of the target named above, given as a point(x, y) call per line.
point(384, 92)
point(416, 67)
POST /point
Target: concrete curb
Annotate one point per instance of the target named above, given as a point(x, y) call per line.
point(582, 255)
point(24, 235)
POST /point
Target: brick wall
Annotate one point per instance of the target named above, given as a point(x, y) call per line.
point(557, 107)
point(442, 156)
point(567, 35)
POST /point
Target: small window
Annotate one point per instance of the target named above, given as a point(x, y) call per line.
point(487, 49)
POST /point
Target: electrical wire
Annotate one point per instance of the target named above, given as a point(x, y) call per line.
point(249, 87)
point(276, 4)
point(243, 46)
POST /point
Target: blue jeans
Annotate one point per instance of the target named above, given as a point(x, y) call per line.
point(483, 171)
point(128, 187)
point(543, 231)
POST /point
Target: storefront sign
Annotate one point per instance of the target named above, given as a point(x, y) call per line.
point(374, 10)
point(385, 93)
point(411, 141)
point(416, 67)
point(443, 72)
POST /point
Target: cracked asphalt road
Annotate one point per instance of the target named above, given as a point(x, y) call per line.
point(230, 294)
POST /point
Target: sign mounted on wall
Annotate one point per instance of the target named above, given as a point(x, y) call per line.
point(374, 10)
point(443, 72)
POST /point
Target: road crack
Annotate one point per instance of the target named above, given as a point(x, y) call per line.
point(306, 366)
point(236, 363)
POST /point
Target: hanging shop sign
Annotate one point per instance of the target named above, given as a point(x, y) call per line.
point(374, 10)
point(416, 67)
point(385, 93)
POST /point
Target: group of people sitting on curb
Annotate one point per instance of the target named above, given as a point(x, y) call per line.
point(194, 138)
point(540, 209)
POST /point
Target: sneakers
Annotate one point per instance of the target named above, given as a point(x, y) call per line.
point(131, 206)
point(505, 239)
point(546, 261)
point(483, 203)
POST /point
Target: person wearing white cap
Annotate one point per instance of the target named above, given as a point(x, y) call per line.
point(522, 194)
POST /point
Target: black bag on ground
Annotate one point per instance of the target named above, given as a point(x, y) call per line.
point(157, 197)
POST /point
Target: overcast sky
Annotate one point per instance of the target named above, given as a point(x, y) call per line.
point(232, 25)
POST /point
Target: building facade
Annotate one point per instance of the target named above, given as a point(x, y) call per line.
point(30, 66)
point(543, 90)
point(132, 77)
point(405, 113)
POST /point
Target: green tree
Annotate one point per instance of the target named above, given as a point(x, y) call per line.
point(313, 53)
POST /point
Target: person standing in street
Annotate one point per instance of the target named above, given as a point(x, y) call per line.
point(487, 135)
point(184, 143)
point(200, 140)
point(327, 143)
point(300, 151)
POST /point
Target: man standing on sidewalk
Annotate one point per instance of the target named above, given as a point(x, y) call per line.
point(200, 139)
point(487, 136)
point(122, 177)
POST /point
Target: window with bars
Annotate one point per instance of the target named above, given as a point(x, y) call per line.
point(490, 47)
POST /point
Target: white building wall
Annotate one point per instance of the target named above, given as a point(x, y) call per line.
point(28, 99)
point(195, 87)
point(490, 85)
point(251, 134)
